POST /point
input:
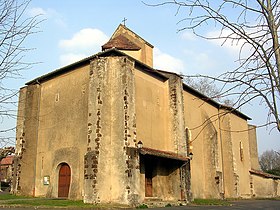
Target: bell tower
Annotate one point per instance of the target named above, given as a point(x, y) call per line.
point(130, 43)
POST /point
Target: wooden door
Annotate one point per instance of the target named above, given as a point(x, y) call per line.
point(148, 180)
point(64, 180)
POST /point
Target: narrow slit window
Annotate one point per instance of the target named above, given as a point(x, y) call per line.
point(241, 151)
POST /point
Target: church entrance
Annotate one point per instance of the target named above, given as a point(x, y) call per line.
point(64, 180)
point(162, 177)
point(148, 179)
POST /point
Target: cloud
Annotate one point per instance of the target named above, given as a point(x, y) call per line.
point(167, 62)
point(232, 46)
point(200, 62)
point(69, 58)
point(188, 36)
point(84, 43)
point(49, 14)
point(88, 38)
point(35, 11)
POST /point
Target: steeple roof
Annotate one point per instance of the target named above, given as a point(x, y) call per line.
point(122, 28)
point(121, 43)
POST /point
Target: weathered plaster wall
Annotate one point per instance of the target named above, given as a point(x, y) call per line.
point(206, 166)
point(62, 131)
point(166, 185)
point(241, 152)
point(26, 146)
point(236, 156)
point(254, 157)
point(229, 177)
point(151, 97)
point(222, 138)
point(111, 166)
point(167, 182)
point(137, 54)
point(264, 187)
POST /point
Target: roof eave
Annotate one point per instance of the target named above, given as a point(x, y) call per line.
point(85, 61)
point(145, 67)
point(214, 103)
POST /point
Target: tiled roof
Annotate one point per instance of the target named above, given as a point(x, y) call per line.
point(121, 43)
point(7, 160)
point(163, 154)
point(263, 174)
point(127, 29)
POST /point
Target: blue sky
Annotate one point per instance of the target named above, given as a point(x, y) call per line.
point(75, 29)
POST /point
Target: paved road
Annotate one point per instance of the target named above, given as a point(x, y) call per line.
point(236, 205)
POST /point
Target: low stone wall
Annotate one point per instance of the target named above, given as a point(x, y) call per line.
point(264, 185)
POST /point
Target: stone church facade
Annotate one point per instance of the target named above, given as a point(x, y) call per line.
point(112, 129)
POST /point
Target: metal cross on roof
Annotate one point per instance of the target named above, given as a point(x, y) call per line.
point(124, 19)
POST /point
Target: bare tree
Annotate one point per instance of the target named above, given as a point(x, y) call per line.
point(270, 162)
point(15, 28)
point(253, 26)
point(208, 88)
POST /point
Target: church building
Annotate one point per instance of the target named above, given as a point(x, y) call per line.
point(112, 129)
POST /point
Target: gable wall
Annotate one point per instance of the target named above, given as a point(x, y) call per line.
point(62, 131)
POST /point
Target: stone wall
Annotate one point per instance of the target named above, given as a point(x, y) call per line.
point(176, 111)
point(265, 187)
point(26, 142)
point(111, 168)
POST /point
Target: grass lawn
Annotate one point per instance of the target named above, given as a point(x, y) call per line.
point(214, 202)
point(13, 200)
point(10, 197)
